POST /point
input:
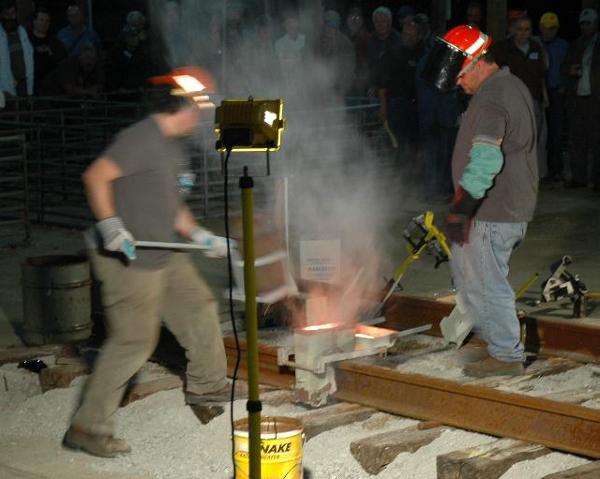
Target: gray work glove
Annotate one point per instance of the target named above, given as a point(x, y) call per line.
point(213, 246)
point(115, 237)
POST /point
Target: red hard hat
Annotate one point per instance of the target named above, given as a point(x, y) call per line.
point(190, 79)
point(452, 54)
point(469, 40)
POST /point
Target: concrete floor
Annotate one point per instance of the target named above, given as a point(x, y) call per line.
point(567, 222)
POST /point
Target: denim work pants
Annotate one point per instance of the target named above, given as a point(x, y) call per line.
point(135, 302)
point(480, 274)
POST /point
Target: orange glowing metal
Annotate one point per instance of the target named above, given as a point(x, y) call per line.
point(363, 336)
point(320, 327)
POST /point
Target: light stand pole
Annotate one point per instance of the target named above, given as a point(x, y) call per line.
point(253, 406)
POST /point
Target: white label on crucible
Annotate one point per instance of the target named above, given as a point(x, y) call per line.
point(320, 260)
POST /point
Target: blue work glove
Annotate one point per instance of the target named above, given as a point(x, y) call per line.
point(115, 236)
point(214, 246)
point(458, 221)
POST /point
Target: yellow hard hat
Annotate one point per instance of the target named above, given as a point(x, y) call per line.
point(549, 20)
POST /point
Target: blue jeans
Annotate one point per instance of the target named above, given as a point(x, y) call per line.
point(480, 274)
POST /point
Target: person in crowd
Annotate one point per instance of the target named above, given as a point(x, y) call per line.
point(404, 13)
point(48, 51)
point(134, 190)
point(291, 50)
point(16, 53)
point(397, 88)
point(556, 51)
point(475, 14)
point(438, 114)
point(136, 21)
point(335, 49)
point(494, 171)
point(127, 65)
point(259, 57)
point(78, 77)
point(358, 34)
point(76, 33)
point(512, 16)
point(582, 68)
point(383, 39)
point(526, 59)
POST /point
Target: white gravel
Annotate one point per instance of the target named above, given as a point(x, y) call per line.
point(170, 443)
point(582, 378)
point(18, 384)
point(542, 466)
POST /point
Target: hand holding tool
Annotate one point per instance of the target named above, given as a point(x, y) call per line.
point(214, 246)
point(115, 236)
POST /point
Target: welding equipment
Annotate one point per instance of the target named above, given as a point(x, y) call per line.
point(421, 236)
point(561, 284)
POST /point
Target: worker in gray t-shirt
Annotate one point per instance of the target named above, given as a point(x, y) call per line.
point(135, 192)
point(494, 169)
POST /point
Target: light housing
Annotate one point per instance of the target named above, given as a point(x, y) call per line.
point(249, 125)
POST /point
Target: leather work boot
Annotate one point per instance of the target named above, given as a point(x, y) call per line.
point(95, 444)
point(472, 354)
point(207, 412)
point(220, 395)
point(493, 367)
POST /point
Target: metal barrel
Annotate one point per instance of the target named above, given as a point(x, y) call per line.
point(56, 299)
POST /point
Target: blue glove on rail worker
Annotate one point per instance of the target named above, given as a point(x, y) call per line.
point(115, 236)
point(214, 246)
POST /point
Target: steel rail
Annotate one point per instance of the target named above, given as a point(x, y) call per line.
point(575, 338)
point(562, 426)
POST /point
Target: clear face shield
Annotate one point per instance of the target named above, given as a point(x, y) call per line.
point(444, 65)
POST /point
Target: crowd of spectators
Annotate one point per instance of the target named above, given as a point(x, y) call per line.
point(72, 61)
point(376, 55)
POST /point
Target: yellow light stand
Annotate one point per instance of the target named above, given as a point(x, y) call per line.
point(253, 405)
point(249, 126)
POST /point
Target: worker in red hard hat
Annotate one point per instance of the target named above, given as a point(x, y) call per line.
point(136, 190)
point(494, 171)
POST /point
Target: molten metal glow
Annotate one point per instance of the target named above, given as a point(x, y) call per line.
point(188, 83)
point(320, 327)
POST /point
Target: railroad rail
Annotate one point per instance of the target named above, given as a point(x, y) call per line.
point(475, 405)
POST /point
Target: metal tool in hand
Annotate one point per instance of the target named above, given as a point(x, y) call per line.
point(167, 245)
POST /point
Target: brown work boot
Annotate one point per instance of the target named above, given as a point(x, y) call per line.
point(206, 412)
point(493, 367)
point(472, 354)
point(95, 444)
point(220, 395)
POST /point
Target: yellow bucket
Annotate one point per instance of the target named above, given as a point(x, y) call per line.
point(281, 441)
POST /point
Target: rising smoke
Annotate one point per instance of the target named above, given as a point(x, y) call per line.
point(336, 187)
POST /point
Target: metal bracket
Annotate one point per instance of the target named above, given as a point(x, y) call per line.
point(319, 367)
